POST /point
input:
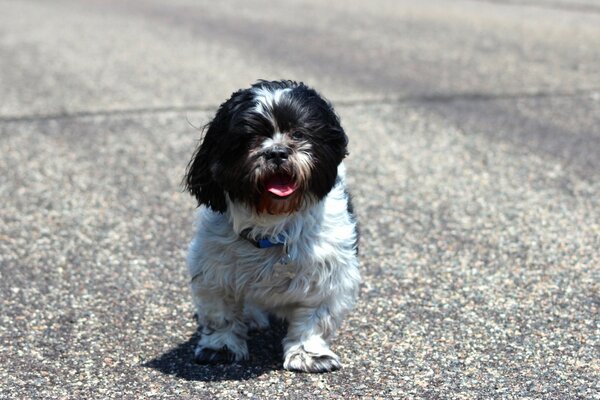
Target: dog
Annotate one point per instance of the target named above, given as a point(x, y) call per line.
point(275, 230)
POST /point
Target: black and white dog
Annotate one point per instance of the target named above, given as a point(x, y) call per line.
point(275, 229)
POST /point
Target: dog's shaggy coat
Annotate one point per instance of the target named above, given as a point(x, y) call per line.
point(270, 170)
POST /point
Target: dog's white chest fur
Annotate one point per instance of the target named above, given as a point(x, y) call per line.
point(318, 258)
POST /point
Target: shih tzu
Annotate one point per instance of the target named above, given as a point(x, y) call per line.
point(275, 228)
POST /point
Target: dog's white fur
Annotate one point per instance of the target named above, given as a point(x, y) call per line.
point(234, 284)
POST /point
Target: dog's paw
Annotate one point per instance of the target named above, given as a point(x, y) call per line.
point(221, 346)
point(204, 355)
point(301, 360)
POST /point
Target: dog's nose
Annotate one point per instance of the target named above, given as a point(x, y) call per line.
point(277, 154)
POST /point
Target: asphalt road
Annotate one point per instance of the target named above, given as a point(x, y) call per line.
point(475, 167)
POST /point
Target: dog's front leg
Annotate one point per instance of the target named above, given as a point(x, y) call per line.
point(223, 333)
point(305, 346)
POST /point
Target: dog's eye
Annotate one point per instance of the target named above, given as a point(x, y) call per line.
point(297, 135)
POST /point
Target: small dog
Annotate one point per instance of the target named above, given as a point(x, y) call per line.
point(275, 228)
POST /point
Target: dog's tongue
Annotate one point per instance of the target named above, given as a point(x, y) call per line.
point(280, 186)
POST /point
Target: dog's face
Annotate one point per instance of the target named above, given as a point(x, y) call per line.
point(275, 147)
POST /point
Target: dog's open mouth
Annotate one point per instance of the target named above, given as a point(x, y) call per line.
point(281, 185)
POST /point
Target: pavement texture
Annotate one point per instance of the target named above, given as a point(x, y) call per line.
point(475, 168)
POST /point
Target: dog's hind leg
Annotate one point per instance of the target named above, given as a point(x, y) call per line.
point(255, 318)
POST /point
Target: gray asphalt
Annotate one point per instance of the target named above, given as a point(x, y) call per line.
point(475, 168)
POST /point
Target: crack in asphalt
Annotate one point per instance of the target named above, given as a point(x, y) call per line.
point(550, 5)
point(424, 98)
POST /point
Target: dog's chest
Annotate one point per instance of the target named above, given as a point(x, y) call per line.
point(280, 273)
point(279, 283)
point(284, 270)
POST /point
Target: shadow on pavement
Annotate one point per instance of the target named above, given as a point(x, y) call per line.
point(266, 355)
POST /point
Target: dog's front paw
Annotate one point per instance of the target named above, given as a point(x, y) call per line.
point(204, 355)
point(223, 348)
point(302, 360)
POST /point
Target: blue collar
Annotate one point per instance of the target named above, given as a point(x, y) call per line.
point(263, 243)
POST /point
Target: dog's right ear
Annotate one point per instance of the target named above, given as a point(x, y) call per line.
point(207, 161)
point(199, 179)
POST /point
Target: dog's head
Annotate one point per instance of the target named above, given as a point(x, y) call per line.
point(275, 147)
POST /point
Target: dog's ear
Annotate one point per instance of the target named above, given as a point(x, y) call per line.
point(207, 161)
point(200, 180)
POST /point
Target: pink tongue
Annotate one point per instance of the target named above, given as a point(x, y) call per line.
point(280, 187)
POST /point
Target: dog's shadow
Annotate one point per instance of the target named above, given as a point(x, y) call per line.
point(266, 354)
